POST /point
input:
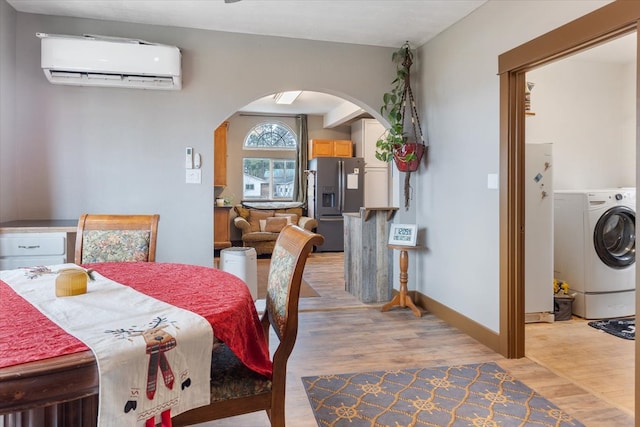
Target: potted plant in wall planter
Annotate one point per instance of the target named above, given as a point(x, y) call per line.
point(403, 144)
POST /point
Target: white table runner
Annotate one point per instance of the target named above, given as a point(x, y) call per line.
point(152, 357)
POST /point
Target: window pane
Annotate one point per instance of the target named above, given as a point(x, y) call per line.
point(268, 179)
point(255, 181)
point(284, 173)
point(271, 135)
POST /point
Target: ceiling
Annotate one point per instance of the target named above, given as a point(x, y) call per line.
point(346, 21)
point(365, 22)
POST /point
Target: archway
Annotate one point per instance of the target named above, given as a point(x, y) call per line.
point(329, 116)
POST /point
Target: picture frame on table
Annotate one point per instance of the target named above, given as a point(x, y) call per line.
point(403, 234)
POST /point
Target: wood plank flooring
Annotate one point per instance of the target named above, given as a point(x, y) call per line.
point(338, 334)
point(597, 361)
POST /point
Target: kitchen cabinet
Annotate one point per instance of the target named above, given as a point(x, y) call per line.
point(330, 148)
point(220, 155)
point(36, 242)
point(376, 187)
point(364, 134)
point(221, 225)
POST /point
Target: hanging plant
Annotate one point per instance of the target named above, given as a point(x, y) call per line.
point(403, 144)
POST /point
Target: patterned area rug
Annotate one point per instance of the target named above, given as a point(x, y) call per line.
point(479, 395)
point(623, 328)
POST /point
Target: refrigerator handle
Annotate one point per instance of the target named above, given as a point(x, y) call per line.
point(341, 185)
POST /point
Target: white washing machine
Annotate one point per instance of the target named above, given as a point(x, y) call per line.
point(595, 250)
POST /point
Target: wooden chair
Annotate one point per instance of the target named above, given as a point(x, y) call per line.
point(237, 390)
point(109, 238)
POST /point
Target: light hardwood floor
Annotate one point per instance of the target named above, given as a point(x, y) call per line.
point(338, 334)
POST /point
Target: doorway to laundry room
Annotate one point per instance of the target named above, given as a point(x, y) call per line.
point(580, 164)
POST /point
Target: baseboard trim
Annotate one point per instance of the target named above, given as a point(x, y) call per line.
point(539, 317)
point(470, 327)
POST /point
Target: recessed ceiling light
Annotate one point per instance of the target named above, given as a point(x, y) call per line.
point(286, 97)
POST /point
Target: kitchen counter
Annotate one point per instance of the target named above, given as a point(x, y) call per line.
point(366, 212)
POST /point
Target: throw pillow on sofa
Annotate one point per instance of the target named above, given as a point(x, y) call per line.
point(242, 211)
point(256, 216)
point(274, 224)
point(290, 217)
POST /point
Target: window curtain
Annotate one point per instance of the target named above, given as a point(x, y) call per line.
point(300, 187)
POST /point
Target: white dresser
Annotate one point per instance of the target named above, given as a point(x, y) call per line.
point(27, 243)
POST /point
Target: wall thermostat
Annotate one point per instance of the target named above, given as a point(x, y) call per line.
point(189, 158)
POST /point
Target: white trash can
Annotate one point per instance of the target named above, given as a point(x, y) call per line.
point(241, 262)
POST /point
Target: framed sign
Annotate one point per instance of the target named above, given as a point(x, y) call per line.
point(403, 234)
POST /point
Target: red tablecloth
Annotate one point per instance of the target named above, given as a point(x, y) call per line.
point(224, 300)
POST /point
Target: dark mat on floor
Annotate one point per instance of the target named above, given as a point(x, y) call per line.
point(623, 328)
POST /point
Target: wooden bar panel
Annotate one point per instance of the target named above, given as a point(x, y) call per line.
point(367, 260)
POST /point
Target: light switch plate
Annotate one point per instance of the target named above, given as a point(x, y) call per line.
point(492, 181)
point(194, 176)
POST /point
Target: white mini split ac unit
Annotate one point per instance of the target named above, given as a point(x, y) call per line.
point(110, 61)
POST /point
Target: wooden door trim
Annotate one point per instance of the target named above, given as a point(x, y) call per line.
point(606, 23)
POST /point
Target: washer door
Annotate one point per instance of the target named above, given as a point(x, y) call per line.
point(614, 237)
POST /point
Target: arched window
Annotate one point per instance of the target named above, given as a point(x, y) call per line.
point(269, 135)
point(270, 172)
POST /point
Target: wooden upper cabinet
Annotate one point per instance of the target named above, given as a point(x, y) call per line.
point(220, 155)
point(342, 148)
point(330, 148)
point(320, 148)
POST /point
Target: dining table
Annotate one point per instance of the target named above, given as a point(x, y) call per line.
point(49, 377)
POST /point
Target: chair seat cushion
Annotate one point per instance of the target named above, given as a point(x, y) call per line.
point(231, 379)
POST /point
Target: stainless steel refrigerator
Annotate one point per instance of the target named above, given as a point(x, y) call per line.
point(336, 186)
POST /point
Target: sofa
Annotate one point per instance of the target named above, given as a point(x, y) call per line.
point(260, 227)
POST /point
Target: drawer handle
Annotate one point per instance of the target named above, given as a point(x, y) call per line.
point(28, 247)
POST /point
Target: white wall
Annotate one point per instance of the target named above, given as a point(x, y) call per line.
point(8, 143)
point(459, 98)
point(587, 110)
point(108, 150)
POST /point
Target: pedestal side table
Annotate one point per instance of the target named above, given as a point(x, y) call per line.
point(402, 298)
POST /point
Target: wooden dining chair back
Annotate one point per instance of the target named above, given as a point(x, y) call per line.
point(237, 390)
point(113, 238)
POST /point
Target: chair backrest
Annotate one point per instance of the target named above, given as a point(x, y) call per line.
point(281, 313)
point(283, 289)
point(110, 238)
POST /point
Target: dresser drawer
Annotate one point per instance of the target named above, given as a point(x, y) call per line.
point(30, 261)
point(33, 244)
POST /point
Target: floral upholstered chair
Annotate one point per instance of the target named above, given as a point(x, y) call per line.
point(112, 238)
point(235, 389)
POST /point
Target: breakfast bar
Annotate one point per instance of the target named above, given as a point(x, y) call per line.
point(367, 260)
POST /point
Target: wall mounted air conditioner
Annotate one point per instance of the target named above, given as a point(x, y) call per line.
point(109, 61)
